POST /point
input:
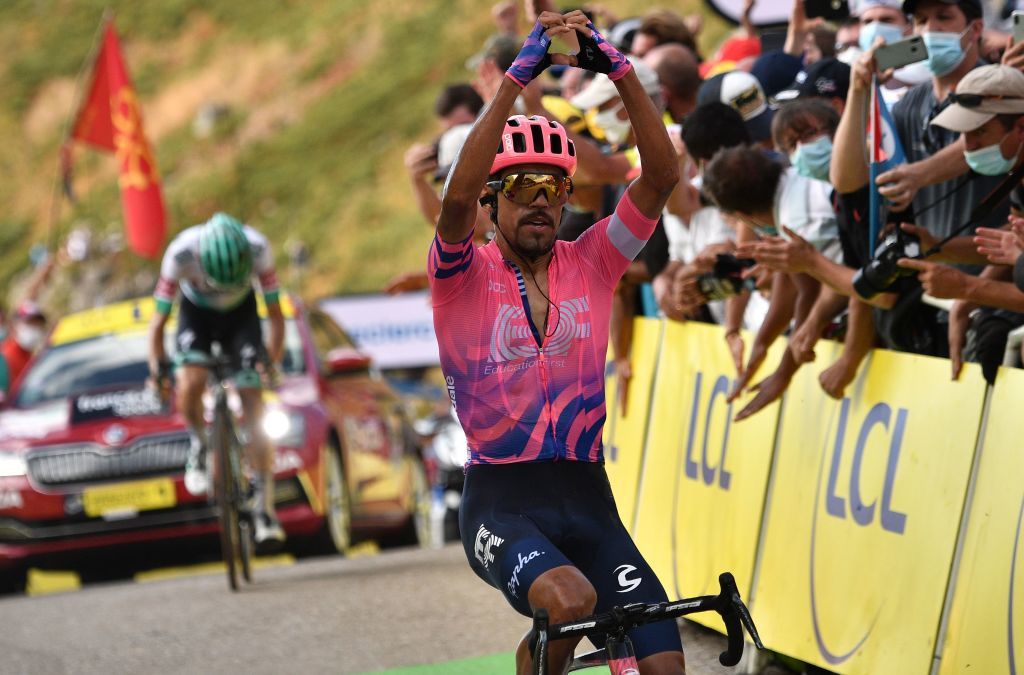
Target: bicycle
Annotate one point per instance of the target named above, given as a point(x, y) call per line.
point(230, 486)
point(617, 652)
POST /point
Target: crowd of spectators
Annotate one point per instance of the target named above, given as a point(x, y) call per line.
point(769, 231)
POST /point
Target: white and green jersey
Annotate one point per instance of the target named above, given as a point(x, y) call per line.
point(181, 267)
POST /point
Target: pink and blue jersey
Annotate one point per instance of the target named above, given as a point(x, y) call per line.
point(520, 401)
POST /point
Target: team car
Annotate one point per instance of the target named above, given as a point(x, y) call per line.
point(92, 458)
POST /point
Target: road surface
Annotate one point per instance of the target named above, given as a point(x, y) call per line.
point(374, 613)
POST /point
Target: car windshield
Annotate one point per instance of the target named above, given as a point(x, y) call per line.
point(111, 361)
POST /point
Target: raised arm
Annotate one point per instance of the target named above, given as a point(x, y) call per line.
point(660, 166)
point(469, 173)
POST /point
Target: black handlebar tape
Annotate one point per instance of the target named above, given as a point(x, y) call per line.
point(733, 628)
point(734, 631)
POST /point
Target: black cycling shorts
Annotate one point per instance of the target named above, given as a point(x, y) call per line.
point(521, 520)
point(238, 332)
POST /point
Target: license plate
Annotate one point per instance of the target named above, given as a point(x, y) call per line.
point(127, 498)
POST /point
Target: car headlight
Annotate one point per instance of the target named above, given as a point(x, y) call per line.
point(284, 428)
point(12, 464)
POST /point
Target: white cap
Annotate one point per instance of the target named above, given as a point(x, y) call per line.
point(601, 89)
point(448, 147)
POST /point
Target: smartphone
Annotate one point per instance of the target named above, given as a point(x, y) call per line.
point(901, 53)
point(1018, 26)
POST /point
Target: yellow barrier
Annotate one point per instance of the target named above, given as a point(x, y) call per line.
point(704, 478)
point(860, 501)
point(986, 624)
point(625, 433)
point(863, 514)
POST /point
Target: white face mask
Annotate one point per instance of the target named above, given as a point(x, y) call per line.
point(28, 337)
point(615, 130)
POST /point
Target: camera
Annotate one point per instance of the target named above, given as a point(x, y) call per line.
point(725, 280)
point(880, 274)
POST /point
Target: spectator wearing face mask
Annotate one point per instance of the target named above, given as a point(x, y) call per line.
point(803, 130)
point(884, 20)
point(771, 200)
point(988, 112)
point(28, 330)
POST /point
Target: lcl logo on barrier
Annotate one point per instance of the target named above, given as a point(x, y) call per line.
point(705, 470)
point(864, 514)
point(880, 419)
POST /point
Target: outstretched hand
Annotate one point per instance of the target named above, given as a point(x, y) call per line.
point(793, 254)
point(938, 281)
point(1001, 247)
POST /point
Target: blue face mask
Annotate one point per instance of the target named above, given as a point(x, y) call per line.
point(870, 31)
point(812, 159)
point(989, 161)
point(944, 51)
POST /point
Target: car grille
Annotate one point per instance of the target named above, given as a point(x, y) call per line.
point(88, 463)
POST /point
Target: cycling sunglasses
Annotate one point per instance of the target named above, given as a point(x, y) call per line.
point(975, 100)
point(523, 188)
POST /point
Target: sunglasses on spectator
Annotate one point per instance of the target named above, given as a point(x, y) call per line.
point(975, 100)
point(523, 188)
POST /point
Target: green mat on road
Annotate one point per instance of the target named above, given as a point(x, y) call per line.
point(497, 664)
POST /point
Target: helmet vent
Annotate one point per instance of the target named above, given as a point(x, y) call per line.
point(518, 142)
point(556, 144)
point(538, 137)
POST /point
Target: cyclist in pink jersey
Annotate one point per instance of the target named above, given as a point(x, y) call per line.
point(522, 326)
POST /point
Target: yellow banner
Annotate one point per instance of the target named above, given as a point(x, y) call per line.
point(986, 623)
point(704, 476)
point(863, 513)
point(625, 432)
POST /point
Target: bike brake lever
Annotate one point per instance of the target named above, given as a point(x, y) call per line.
point(736, 617)
point(747, 620)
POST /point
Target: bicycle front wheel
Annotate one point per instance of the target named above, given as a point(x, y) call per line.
point(226, 493)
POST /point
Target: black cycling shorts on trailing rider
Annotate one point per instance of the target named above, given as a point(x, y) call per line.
point(521, 520)
point(238, 332)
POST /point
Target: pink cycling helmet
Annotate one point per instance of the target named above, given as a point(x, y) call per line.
point(534, 140)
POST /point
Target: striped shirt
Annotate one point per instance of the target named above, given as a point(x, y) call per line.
point(521, 399)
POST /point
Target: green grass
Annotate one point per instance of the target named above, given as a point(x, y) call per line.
point(498, 664)
point(331, 174)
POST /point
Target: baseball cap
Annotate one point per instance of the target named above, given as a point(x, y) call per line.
point(601, 89)
point(501, 47)
point(984, 92)
point(826, 78)
point(975, 5)
point(742, 91)
point(448, 147)
point(621, 34)
point(775, 70)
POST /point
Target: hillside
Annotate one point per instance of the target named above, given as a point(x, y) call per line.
point(317, 103)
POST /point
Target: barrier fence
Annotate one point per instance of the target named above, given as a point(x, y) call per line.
point(883, 533)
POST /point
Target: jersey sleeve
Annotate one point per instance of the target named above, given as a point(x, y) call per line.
point(449, 266)
point(167, 284)
point(263, 266)
point(611, 244)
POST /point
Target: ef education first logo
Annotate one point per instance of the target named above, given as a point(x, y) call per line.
point(855, 507)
